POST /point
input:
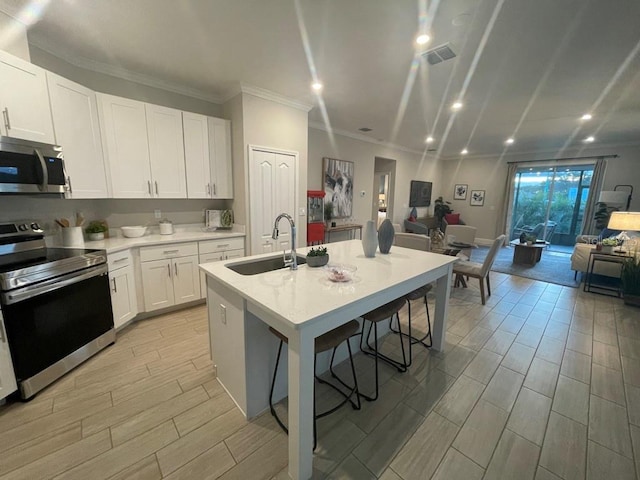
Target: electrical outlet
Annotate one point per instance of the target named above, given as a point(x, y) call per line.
point(157, 214)
point(302, 212)
point(223, 314)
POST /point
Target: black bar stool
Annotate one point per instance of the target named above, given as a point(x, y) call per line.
point(327, 341)
point(415, 295)
point(380, 314)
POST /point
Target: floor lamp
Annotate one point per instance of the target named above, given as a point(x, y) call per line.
point(624, 221)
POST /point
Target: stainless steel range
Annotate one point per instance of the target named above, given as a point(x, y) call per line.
point(56, 305)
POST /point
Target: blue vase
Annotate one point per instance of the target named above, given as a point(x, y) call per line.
point(386, 233)
point(369, 239)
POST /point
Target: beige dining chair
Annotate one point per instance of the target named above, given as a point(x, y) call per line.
point(480, 270)
point(463, 234)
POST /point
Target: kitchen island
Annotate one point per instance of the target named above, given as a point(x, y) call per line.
point(304, 304)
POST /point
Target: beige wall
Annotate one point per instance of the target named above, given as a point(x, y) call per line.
point(409, 166)
point(13, 37)
point(489, 173)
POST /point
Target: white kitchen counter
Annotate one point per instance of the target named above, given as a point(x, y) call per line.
point(112, 245)
point(302, 305)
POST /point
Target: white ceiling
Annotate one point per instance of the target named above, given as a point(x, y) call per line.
point(525, 68)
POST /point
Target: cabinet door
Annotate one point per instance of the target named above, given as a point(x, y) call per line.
point(157, 284)
point(208, 258)
point(234, 254)
point(123, 295)
point(166, 150)
point(220, 148)
point(75, 119)
point(124, 133)
point(196, 155)
point(7, 377)
point(24, 100)
point(186, 279)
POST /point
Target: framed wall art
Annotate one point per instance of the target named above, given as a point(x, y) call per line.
point(477, 198)
point(460, 192)
point(338, 186)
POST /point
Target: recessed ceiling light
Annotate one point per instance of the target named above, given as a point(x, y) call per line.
point(464, 151)
point(509, 141)
point(317, 86)
point(423, 39)
point(589, 139)
point(456, 106)
point(586, 116)
point(429, 139)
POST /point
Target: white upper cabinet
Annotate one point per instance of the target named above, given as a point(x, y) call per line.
point(75, 116)
point(24, 100)
point(220, 151)
point(207, 146)
point(166, 149)
point(196, 154)
point(124, 135)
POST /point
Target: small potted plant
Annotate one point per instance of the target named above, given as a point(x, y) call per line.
point(317, 257)
point(440, 209)
point(608, 244)
point(630, 279)
point(96, 230)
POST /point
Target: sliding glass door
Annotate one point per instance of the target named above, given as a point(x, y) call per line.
point(549, 202)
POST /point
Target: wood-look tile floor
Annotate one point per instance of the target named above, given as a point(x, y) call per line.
point(541, 383)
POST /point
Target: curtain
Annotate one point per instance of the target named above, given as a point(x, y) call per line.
point(504, 221)
point(588, 222)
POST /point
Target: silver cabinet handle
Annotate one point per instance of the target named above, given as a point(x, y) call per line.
point(209, 189)
point(69, 183)
point(224, 245)
point(175, 268)
point(149, 187)
point(167, 252)
point(118, 260)
point(169, 268)
point(156, 187)
point(7, 122)
point(115, 286)
point(214, 189)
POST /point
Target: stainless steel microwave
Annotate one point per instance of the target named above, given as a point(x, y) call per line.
point(28, 167)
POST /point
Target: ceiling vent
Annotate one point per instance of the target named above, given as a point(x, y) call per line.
point(439, 54)
point(365, 129)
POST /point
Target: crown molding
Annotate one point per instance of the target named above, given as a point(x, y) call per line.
point(122, 73)
point(267, 95)
point(363, 138)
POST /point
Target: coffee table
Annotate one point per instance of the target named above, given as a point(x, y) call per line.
point(524, 254)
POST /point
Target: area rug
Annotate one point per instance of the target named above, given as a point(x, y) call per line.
point(554, 267)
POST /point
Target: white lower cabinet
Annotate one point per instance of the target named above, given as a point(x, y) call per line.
point(216, 251)
point(123, 288)
point(8, 383)
point(169, 275)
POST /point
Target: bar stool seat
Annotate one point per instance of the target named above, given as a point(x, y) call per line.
point(384, 312)
point(327, 341)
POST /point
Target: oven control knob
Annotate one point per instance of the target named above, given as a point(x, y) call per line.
point(23, 227)
point(35, 226)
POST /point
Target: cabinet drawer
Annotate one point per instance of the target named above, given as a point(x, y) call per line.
point(119, 260)
point(170, 250)
point(221, 245)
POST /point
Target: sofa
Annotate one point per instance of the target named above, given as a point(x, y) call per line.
point(580, 258)
point(424, 224)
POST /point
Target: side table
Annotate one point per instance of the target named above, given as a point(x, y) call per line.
point(603, 284)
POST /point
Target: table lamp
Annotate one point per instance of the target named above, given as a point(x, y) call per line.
point(624, 221)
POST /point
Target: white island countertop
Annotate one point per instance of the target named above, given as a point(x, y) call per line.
point(302, 305)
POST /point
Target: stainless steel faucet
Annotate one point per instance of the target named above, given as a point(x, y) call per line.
point(293, 261)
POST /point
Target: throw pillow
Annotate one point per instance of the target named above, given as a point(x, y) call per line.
point(452, 218)
point(606, 233)
point(412, 219)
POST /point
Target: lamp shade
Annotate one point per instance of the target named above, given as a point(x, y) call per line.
point(624, 221)
point(612, 197)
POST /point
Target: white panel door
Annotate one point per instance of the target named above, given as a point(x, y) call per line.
point(157, 284)
point(123, 125)
point(196, 155)
point(186, 279)
point(7, 377)
point(123, 295)
point(24, 100)
point(220, 150)
point(261, 185)
point(75, 116)
point(284, 197)
point(166, 150)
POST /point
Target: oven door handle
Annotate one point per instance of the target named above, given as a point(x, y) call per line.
point(25, 293)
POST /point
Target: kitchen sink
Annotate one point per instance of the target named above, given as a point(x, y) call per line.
point(262, 265)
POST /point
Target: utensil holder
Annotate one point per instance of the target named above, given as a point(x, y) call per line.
point(72, 237)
